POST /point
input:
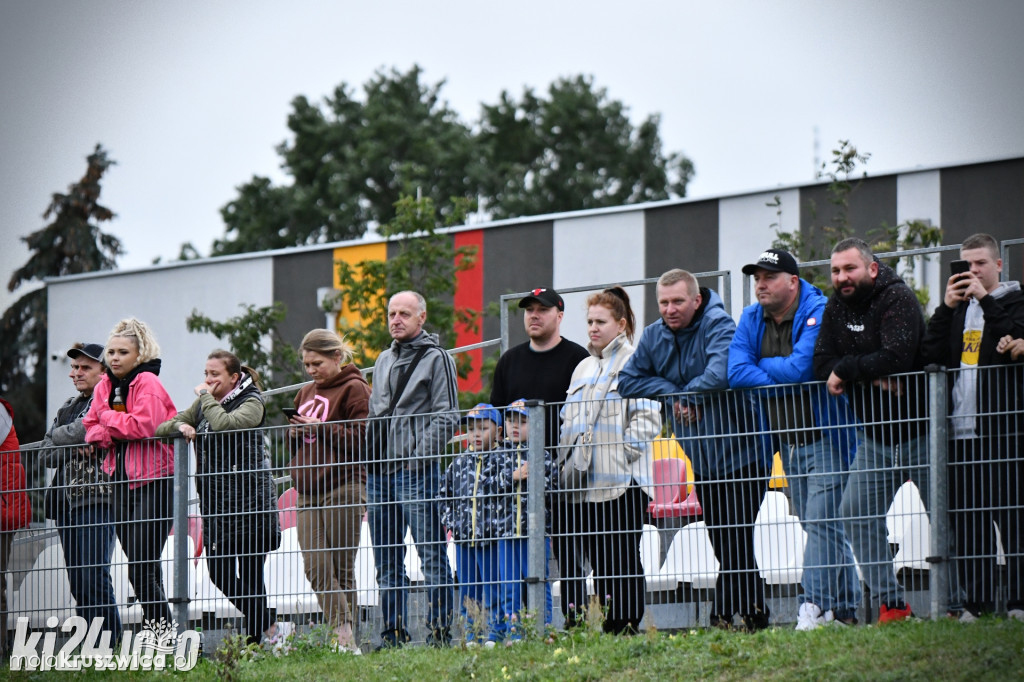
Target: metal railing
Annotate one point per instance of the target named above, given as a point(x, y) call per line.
point(678, 566)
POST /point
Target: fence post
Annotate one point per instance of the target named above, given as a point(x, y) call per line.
point(504, 324)
point(938, 443)
point(536, 557)
point(180, 599)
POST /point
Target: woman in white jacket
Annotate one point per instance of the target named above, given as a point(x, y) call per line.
point(605, 442)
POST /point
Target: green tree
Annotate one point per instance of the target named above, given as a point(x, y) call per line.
point(72, 243)
point(254, 337)
point(423, 260)
point(350, 161)
point(575, 149)
point(818, 242)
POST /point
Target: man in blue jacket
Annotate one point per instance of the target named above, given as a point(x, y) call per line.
point(774, 346)
point(683, 358)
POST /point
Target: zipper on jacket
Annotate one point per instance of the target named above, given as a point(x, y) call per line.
point(472, 513)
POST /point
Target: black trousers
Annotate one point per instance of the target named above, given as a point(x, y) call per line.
point(240, 578)
point(607, 534)
point(986, 485)
point(730, 507)
point(142, 519)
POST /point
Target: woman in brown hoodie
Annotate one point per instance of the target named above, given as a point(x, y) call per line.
point(326, 440)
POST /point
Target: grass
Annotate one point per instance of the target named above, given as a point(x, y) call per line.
point(989, 649)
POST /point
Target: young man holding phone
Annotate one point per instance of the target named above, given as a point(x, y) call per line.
point(986, 434)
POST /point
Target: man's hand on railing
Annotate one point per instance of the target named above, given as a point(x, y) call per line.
point(687, 414)
point(835, 384)
point(891, 384)
point(1008, 344)
point(188, 431)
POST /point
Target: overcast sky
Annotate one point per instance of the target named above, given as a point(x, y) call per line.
point(190, 98)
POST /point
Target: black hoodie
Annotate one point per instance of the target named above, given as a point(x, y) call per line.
point(872, 338)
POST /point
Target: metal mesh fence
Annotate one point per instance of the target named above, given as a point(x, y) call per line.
point(735, 510)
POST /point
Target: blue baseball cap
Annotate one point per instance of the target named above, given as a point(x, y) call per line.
point(483, 411)
point(517, 406)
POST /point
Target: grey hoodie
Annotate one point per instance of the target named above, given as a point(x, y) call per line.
point(429, 403)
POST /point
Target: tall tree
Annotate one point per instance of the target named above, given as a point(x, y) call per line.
point(350, 161)
point(72, 243)
point(424, 261)
point(576, 149)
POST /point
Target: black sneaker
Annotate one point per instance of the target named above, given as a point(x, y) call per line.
point(440, 638)
point(752, 622)
point(391, 639)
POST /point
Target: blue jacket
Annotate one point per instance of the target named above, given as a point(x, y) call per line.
point(696, 358)
point(747, 369)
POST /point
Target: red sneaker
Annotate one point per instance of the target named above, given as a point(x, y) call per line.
point(891, 615)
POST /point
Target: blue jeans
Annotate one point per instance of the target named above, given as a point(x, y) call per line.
point(816, 475)
point(876, 474)
point(477, 566)
point(512, 570)
point(408, 498)
point(87, 538)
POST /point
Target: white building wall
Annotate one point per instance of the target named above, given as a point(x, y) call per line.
point(87, 309)
point(918, 197)
point(599, 249)
point(745, 231)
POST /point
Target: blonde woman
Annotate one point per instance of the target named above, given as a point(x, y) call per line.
point(326, 439)
point(128, 405)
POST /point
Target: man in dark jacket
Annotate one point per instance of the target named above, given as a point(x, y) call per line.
point(78, 498)
point(987, 399)
point(541, 369)
point(871, 329)
point(774, 346)
point(416, 379)
point(684, 358)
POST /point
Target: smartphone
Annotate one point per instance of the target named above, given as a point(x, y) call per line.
point(290, 412)
point(959, 267)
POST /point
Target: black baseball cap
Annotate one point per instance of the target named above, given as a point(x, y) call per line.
point(93, 351)
point(775, 260)
point(548, 298)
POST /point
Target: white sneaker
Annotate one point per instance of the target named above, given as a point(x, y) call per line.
point(809, 617)
point(967, 617)
point(279, 643)
point(1016, 614)
point(490, 644)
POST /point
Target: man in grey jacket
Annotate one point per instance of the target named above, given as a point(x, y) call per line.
point(78, 499)
point(415, 389)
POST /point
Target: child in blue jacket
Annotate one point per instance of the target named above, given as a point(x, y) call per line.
point(468, 508)
point(511, 526)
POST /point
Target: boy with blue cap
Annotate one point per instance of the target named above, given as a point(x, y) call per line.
point(468, 509)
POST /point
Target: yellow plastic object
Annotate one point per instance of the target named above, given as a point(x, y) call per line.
point(778, 477)
point(669, 447)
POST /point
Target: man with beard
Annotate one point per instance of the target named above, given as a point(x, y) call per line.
point(871, 329)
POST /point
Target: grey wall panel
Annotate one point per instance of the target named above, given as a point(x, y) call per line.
point(296, 278)
point(683, 236)
point(871, 203)
point(988, 198)
point(516, 258)
point(87, 309)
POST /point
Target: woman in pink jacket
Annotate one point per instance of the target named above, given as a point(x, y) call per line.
point(128, 404)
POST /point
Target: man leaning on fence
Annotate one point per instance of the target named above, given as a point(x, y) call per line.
point(415, 401)
point(872, 329)
point(986, 432)
point(773, 345)
point(686, 352)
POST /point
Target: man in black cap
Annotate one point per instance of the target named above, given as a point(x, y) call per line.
point(78, 499)
point(541, 369)
point(774, 345)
